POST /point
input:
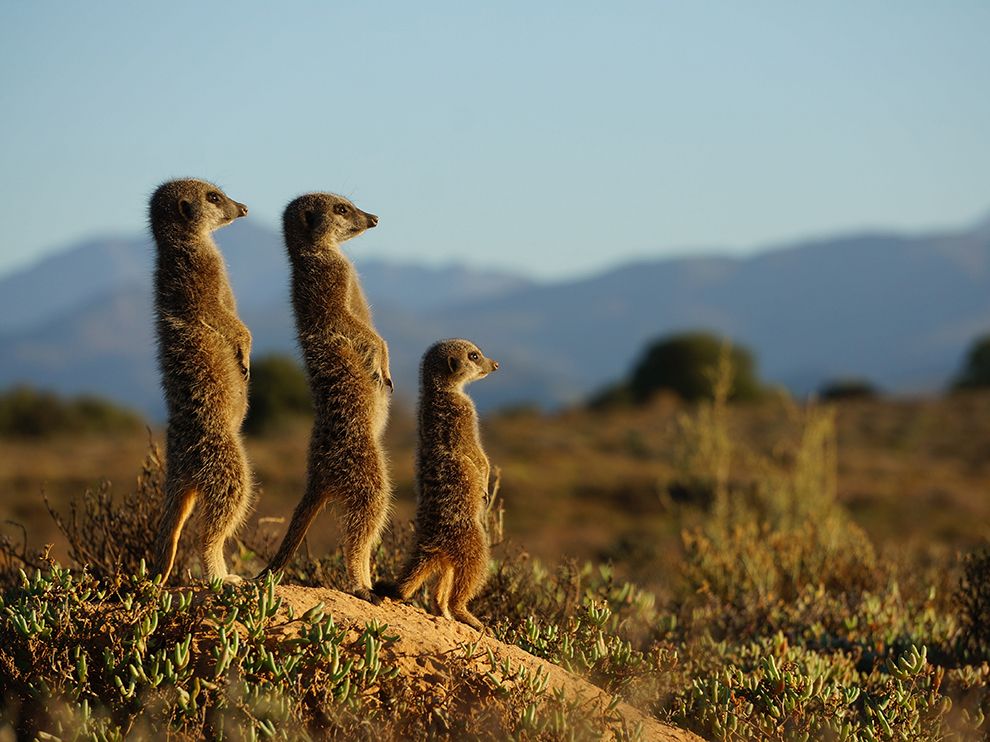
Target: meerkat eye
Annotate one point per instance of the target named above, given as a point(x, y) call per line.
point(213, 197)
point(339, 209)
point(473, 356)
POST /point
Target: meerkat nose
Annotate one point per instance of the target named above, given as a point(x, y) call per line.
point(372, 220)
point(241, 208)
point(495, 365)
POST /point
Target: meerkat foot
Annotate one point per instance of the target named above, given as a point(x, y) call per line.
point(366, 594)
point(465, 616)
point(233, 579)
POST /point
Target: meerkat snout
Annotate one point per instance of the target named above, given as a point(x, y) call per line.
point(242, 208)
point(372, 220)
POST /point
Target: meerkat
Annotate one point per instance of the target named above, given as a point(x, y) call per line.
point(348, 368)
point(204, 354)
point(452, 473)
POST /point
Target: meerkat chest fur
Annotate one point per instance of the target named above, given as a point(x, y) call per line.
point(320, 286)
point(330, 312)
point(192, 283)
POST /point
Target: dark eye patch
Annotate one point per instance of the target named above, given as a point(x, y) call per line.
point(473, 356)
point(213, 197)
point(339, 209)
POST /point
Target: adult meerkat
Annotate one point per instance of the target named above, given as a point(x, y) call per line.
point(204, 354)
point(452, 473)
point(348, 368)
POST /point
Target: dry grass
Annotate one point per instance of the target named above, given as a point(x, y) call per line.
point(913, 473)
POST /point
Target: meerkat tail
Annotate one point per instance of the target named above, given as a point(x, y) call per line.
point(178, 508)
point(387, 589)
point(305, 512)
point(418, 571)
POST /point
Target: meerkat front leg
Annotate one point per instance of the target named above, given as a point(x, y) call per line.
point(385, 371)
point(486, 473)
point(242, 348)
point(244, 359)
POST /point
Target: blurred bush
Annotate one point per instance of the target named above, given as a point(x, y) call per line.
point(975, 372)
point(26, 412)
point(683, 365)
point(279, 394)
point(848, 388)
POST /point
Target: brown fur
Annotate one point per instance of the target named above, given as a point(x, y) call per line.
point(452, 473)
point(203, 351)
point(347, 364)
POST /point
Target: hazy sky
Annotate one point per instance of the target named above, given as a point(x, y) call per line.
point(554, 138)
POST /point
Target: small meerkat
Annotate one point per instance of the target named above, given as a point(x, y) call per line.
point(204, 354)
point(452, 473)
point(348, 368)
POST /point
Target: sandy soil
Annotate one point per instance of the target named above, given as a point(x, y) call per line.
point(430, 646)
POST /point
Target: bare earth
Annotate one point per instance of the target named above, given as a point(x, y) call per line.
point(430, 647)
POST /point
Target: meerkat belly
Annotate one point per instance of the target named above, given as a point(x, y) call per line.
point(205, 381)
point(451, 487)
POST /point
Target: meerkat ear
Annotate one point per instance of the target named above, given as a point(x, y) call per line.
point(455, 363)
point(310, 219)
point(186, 209)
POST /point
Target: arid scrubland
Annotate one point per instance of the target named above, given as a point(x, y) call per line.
point(759, 571)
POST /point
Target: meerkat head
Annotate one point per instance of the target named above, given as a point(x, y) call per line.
point(320, 219)
point(193, 207)
point(455, 363)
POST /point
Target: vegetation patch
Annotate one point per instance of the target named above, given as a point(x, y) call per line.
point(781, 620)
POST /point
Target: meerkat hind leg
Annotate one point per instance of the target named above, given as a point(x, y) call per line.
point(469, 576)
point(357, 560)
point(177, 512)
point(214, 564)
point(442, 593)
point(364, 517)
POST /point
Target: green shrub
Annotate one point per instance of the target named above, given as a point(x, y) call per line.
point(848, 388)
point(279, 393)
point(975, 372)
point(683, 364)
point(26, 412)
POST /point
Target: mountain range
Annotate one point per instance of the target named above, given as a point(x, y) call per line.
point(899, 310)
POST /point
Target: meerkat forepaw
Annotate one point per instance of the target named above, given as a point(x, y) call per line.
point(388, 383)
point(232, 579)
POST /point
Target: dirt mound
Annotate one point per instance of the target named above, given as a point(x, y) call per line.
point(430, 647)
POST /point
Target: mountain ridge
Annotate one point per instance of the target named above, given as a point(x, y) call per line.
point(898, 309)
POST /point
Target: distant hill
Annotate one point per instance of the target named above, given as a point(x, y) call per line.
point(899, 310)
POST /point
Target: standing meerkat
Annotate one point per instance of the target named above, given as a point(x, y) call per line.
point(348, 368)
point(452, 473)
point(203, 351)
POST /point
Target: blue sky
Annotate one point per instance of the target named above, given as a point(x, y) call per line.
point(551, 138)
